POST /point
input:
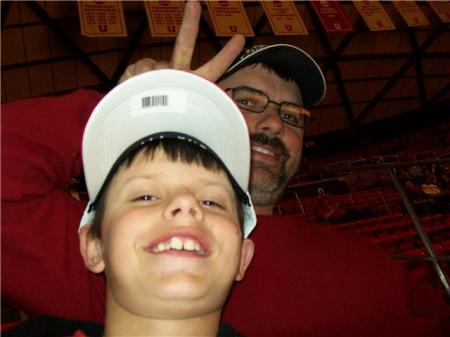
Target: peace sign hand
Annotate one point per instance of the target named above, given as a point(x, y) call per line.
point(184, 49)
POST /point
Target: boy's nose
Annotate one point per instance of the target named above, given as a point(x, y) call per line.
point(184, 206)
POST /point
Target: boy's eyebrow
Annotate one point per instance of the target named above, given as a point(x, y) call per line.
point(206, 181)
point(142, 176)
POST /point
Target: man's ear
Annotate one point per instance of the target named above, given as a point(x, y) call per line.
point(247, 250)
point(91, 250)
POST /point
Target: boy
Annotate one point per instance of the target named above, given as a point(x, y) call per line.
point(167, 197)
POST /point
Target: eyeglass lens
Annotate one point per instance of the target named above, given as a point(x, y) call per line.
point(257, 101)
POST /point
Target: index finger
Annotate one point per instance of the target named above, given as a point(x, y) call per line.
point(186, 37)
point(216, 67)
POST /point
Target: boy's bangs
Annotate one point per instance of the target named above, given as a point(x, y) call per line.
point(176, 151)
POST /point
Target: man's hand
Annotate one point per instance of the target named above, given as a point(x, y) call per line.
point(184, 49)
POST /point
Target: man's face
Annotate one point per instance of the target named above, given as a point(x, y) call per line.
point(276, 146)
point(171, 243)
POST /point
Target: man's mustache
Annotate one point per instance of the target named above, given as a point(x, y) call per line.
point(275, 142)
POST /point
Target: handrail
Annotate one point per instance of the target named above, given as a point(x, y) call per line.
point(420, 231)
point(383, 165)
point(377, 166)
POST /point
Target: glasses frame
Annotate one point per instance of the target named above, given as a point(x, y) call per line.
point(308, 118)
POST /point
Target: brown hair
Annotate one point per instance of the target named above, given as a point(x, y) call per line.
point(176, 150)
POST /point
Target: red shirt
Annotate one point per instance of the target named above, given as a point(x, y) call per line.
point(305, 280)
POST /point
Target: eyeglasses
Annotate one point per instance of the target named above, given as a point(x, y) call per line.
point(257, 101)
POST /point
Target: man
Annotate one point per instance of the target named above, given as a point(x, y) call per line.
point(304, 280)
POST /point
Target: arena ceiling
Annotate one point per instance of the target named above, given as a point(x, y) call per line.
point(371, 76)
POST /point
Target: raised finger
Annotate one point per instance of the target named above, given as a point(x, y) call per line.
point(137, 68)
point(214, 68)
point(186, 37)
point(144, 65)
point(161, 65)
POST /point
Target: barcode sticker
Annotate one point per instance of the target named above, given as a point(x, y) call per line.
point(151, 101)
point(159, 101)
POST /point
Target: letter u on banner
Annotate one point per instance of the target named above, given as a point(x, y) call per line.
point(164, 17)
point(374, 15)
point(442, 10)
point(229, 18)
point(102, 19)
point(411, 13)
point(284, 18)
point(332, 16)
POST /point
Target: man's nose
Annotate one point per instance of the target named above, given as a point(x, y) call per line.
point(184, 206)
point(270, 122)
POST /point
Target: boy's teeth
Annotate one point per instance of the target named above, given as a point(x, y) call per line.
point(160, 247)
point(262, 150)
point(177, 243)
point(189, 245)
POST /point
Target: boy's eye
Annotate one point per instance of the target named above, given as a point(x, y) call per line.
point(145, 197)
point(211, 203)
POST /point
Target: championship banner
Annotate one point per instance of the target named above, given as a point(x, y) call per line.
point(411, 13)
point(442, 10)
point(374, 15)
point(332, 16)
point(284, 18)
point(229, 18)
point(102, 18)
point(164, 17)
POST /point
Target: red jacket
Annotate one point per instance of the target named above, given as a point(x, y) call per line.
point(304, 280)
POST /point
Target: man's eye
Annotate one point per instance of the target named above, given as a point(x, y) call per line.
point(145, 197)
point(288, 117)
point(246, 102)
point(211, 203)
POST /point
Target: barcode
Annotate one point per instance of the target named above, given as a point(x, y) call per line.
point(151, 101)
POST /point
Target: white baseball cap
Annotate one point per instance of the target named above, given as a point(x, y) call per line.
point(166, 104)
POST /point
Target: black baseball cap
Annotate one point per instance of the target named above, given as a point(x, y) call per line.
point(299, 64)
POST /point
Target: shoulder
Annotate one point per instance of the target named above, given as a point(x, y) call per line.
point(226, 330)
point(300, 239)
point(50, 326)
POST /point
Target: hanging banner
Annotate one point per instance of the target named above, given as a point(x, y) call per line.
point(411, 13)
point(229, 18)
point(332, 16)
point(442, 10)
point(284, 18)
point(164, 17)
point(374, 15)
point(102, 19)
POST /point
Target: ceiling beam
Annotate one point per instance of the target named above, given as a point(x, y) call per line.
point(385, 78)
point(365, 101)
point(342, 58)
point(420, 81)
point(343, 44)
point(334, 67)
point(257, 29)
point(391, 56)
point(210, 34)
point(68, 41)
point(133, 43)
point(5, 8)
point(440, 93)
point(403, 69)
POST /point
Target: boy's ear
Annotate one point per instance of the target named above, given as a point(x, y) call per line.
point(247, 250)
point(91, 250)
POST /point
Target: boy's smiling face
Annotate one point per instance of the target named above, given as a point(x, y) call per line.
point(171, 242)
